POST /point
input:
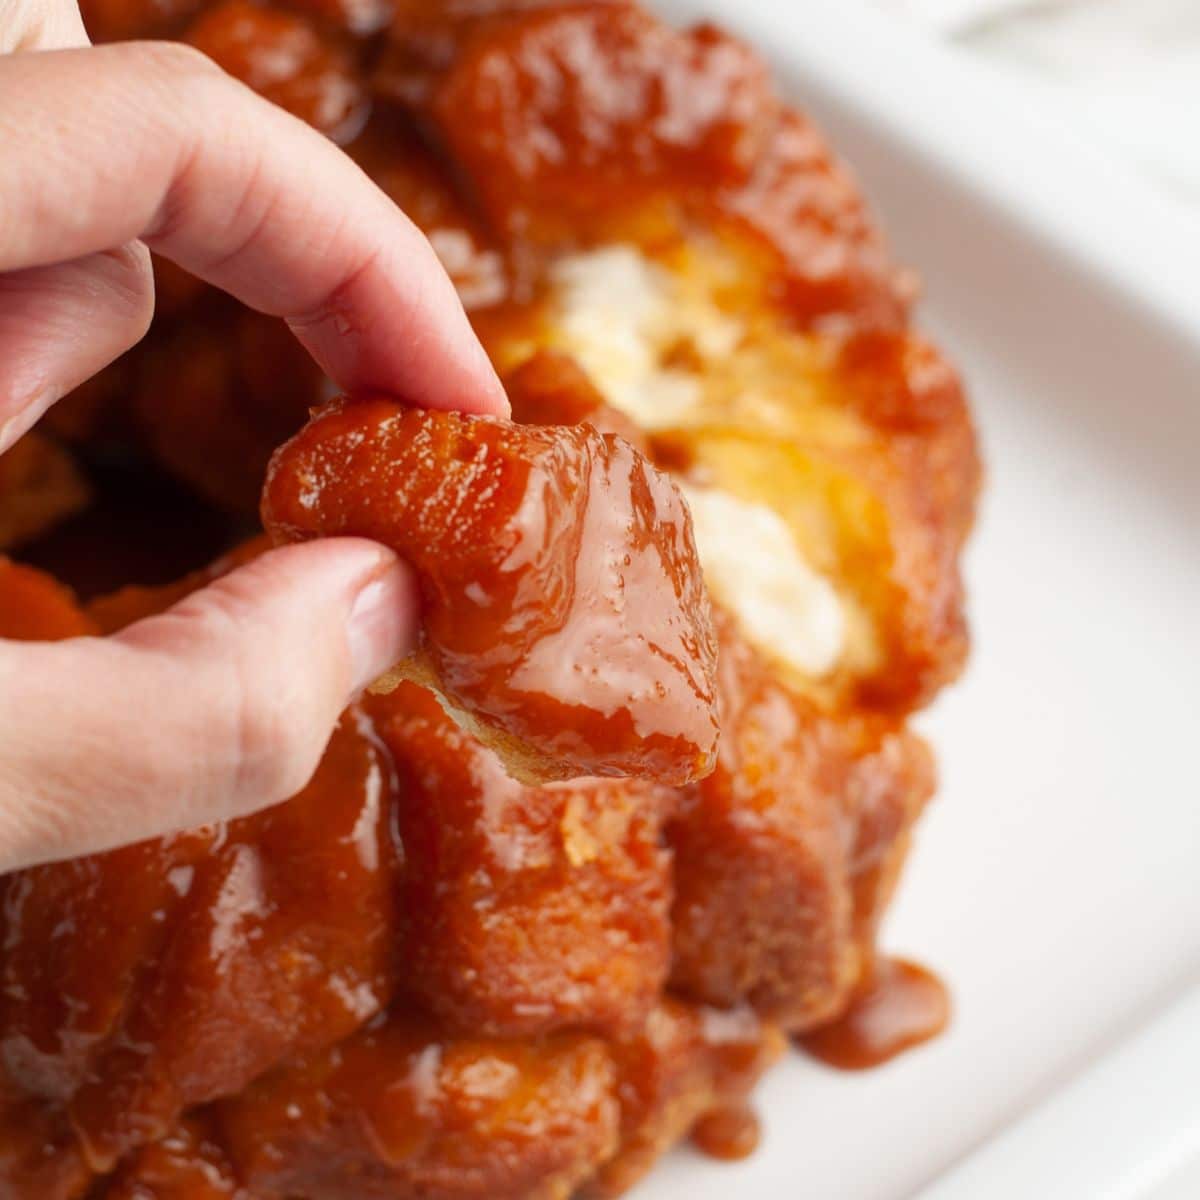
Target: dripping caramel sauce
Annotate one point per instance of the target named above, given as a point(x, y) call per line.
point(899, 1006)
point(730, 1132)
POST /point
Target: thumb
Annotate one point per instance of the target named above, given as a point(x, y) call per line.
point(219, 706)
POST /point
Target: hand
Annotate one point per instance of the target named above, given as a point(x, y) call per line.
point(222, 705)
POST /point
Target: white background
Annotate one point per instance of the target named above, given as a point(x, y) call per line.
point(1056, 880)
point(1126, 72)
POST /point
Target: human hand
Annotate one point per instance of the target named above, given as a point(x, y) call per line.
point(223, 704)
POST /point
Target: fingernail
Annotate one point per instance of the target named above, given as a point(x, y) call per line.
point(26, 414)
point(503, 405)
point(382, 624)
point(495, 403)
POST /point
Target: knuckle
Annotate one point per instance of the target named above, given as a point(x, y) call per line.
point(274, 750)
point(258, 692)
point(131, 281)
point(273, 731)
point(176, 62)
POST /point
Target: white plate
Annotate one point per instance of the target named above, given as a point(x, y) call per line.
point(1056, 881)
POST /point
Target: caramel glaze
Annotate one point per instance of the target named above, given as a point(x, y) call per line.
point(563, 116)
point(187, 1165)
point(36, 608)
point(728, 1133)
point(564, 613)
point(403, 1109)
point(785, 855)
point(388, 1112)
point(483, 863)
point(523, 910)
point(899, 1006)
point(208, 956)
point(551, 388)
point(510, 131)
point(285, 58)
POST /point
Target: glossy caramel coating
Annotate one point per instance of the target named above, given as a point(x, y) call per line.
point(551, 388)
point(426, 37)
point(416, 181)
point(401, 1110)
point(524, 910)
point(39, 1159)
point(564, 615)
point(212, 398)
point(283, 58)
point(358, 17)
point(775, 851)
point(533, 962)
point(861, 442)
point(146, 980)
point(555, 109)
point(570, 119)
point(713, 179)
point(36, 608)
point(730, 1133)
point(687, 1061)
point(122, 20)
point(897, 1006)
point(188, 1164)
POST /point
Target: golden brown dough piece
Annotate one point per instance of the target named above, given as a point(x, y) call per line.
point(551, 388)
point(400, 163)
point(781, 855)
point(524, 910)
point(762, 910)
point(36, 608)
point(402, 1111)
point(564, 619)
point(188, 1164)
point(38, 1156)
point(213, 397)
point(359, 17)
point(39, 487)
point(146, 980)
point(589, 122)
point(283, 57)
point(685, 1062)
point(121, 20)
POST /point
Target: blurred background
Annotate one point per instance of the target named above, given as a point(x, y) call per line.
point(1125, 72)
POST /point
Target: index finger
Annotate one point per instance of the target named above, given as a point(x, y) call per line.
point(151, 140)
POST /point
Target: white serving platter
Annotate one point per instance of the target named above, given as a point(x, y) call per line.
point(1056, 881)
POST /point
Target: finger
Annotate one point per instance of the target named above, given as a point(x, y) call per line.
point(41, 25)
point(59, 325)
point(161, 145)
point(218, 707)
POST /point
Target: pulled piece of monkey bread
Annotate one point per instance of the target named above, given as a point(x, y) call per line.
point(565, 620)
